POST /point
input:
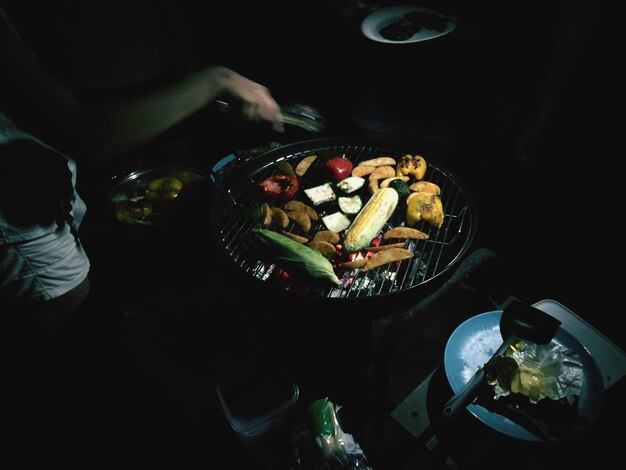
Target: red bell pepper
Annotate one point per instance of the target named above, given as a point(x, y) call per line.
point(338, 168)
point(279, 188)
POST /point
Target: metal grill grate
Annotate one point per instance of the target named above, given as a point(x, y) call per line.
point(444, 247)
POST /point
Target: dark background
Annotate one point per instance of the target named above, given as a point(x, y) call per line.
point(460, 101)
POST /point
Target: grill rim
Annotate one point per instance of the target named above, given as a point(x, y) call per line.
point(246, 171)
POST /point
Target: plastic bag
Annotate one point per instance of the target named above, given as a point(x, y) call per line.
point(321, 444)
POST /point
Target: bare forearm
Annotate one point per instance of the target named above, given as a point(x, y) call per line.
point(117, 127)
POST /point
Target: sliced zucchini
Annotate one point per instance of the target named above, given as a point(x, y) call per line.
point(321, 194)
point(350, 205)
point(401, 187)
point(351, 184)
point(336, 222)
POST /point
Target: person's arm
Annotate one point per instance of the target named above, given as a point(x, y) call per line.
point(115, 127)
point(111, 129)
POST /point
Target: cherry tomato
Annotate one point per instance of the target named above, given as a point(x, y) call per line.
point(338, 168)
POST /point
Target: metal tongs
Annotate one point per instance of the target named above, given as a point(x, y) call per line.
point(303, 116)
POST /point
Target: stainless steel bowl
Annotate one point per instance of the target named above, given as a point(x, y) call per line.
point(131, 200)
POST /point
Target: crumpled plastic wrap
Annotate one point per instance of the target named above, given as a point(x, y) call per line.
point(323, 445)
point(543, 371)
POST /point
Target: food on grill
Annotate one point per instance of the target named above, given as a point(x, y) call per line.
point(425, 187)
point(384, 183)
point(432, 257)
point(380, 173)
point(380, 161)
point(301, 218)
point(426, 207)
point(363, 170)
point(411, 165)
point(351, 184)
point(280, 217)
point(294, 205)
point(355, 264)
point(325, 248)
point(405, 232)
point(383, 172)
point(279, 188)
point(321, 194)
point(338, 168)
point(336, 222)
point(163, 191)
point(387, 256)
point(373, 186)
point(258, 150)
point(293, 236)
point(266, 214)
point(327, 236)
point(304, 164)
point(297, 259)
point(376, 249)
point(400, 186)
point(285, 168)
point(371, 219)
point(350, 205)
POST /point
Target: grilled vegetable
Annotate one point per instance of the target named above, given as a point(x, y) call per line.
point(327, 236)
point(363, 170)
point(336, 222)
point(414, 165)
point(279, 188)
point(371, 219)
point(305, 163)
point(286, 168)
point(380, 161)
point(424, 206)
point(294, 205)
point(401, 187)
point(321, 194)
point(350, 205)
point(258, 150)
point(387, 256)
point(425, 187)
point(338, 168)
point(299, 260)
point(351, 184)
point(384, 183)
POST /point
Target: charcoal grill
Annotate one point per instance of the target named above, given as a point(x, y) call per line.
point(433, 258)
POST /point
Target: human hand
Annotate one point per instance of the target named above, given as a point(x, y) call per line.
point(256, 101)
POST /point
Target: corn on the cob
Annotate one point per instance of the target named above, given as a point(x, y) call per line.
point(297, 259)
point(371, 219)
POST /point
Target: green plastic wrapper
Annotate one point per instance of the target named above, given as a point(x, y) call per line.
point(321, 415)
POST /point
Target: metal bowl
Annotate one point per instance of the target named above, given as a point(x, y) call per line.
point(131, 200)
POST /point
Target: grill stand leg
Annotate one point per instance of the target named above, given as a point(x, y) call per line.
point(399, 326)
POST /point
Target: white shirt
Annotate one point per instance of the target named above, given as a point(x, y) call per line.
point(39, 262)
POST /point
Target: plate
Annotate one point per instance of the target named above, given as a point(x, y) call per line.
point(378, 19)
point(476, 340)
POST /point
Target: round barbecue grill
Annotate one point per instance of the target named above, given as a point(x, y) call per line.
point(433, 258)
